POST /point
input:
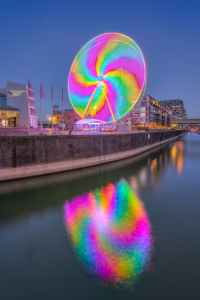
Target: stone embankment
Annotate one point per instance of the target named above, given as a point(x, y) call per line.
point(22, 157)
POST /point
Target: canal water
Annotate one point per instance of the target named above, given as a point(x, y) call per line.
point(124, 230)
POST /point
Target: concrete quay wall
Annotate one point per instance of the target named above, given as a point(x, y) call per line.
point(22, 157)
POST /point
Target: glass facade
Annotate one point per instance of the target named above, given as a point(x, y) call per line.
point(9, 116)
point(2, 99)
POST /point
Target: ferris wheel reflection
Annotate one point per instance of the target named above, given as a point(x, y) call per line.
point(111, 234)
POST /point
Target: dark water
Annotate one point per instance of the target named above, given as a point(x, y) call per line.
point(74, 235)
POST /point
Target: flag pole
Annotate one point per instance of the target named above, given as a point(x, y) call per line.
point(40, 108)
point(62, 109)
point(28, 106)
point(52, 106)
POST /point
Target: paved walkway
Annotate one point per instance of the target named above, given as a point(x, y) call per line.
point(48, 131)
point(62, 133)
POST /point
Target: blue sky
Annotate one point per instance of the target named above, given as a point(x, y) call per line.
point(40, 39)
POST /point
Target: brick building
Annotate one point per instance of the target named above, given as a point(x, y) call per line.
point(70, 117)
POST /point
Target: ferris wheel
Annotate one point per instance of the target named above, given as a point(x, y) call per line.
point(107, 77)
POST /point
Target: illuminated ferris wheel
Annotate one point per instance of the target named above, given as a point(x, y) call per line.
point(107, 77)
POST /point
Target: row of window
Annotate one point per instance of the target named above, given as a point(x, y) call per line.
point(68, 118)
point(2, 99)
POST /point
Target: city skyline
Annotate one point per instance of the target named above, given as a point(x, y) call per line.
point(41, 41)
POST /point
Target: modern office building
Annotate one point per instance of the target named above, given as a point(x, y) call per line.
point(177, 108)
point(149, 112)
point(20, 97)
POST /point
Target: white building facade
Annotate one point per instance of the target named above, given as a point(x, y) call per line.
point(21, 97)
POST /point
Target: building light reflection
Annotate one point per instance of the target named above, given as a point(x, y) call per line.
point(180, 163)
point(177, 156)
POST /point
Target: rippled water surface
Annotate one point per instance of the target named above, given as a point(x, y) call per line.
point(124, 230)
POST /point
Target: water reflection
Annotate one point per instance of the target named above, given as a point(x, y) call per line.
point(111, 234)
point(35, 252)
point(143, 172)
point(149, 176)
point(109, 227)
point(177, 156)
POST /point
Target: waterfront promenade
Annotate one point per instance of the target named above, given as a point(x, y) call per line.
point(49, 132)
point(57, 132)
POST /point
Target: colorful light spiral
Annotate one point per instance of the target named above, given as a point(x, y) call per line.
point(107, 78)
point(111, 234)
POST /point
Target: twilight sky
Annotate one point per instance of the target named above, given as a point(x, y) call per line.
point(40, 39)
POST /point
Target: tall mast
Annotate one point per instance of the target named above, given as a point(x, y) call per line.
point(62, 109)
point(40, 108)
point(28, 106)
point(52, 106)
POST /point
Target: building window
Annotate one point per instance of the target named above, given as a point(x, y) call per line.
point(2, 99)
point(143, 120)
point(143, 109)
